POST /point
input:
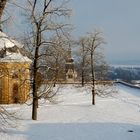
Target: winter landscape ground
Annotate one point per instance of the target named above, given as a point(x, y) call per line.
point(116, 117)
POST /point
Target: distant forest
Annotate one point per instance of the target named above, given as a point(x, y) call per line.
point(127, 74)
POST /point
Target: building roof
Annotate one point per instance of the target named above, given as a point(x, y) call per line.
point(15, 57)
point(7, 42)
point(11, 50)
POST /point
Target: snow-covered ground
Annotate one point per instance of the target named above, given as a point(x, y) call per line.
point(116, 117)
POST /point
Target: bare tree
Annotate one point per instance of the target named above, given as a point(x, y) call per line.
point(84, 59)
point(94, 41)
point(55, 58)
point(45, 18)
point(91, 58)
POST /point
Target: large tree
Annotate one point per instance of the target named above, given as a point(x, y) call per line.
point(46, 18)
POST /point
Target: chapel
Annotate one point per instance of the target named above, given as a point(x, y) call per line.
point(71, 74)
point(14, 71)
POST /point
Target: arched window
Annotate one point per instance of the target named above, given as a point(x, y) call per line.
point(70, 76)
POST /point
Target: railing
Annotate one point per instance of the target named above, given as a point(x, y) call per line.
point(127, 84)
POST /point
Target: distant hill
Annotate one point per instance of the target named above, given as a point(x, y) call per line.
point(124, 62)
point(124, 72)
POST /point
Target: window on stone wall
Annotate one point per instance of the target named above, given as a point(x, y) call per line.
point(70, 76)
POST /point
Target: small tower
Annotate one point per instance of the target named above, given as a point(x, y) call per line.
point(14, 72)
point(69, 68)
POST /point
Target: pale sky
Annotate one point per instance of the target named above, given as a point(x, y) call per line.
point(119, 20)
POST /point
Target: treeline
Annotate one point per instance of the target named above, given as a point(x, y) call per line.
point(124, 73)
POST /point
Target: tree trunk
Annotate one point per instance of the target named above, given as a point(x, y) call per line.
point(2, 6)
point(83, 64)
point(35, 99)
point(35, 70)
point(83, 71)
point(83, 78)
point(56, 73)
point(93, 96)
point(93, 79)
point(34, 108)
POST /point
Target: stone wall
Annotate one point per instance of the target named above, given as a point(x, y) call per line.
point(15, 84)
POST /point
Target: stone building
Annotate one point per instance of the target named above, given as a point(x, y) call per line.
point(14, 72)
point(71, 74)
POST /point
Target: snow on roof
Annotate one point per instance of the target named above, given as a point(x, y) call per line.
point(7, 42)
point(15, 57)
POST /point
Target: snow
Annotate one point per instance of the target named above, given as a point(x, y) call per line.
point(15, 57)
point(126, 66)
point(7, 42)
point(116, 117)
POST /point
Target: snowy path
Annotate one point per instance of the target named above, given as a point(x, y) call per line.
point(74, 118)
point(129, 95)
